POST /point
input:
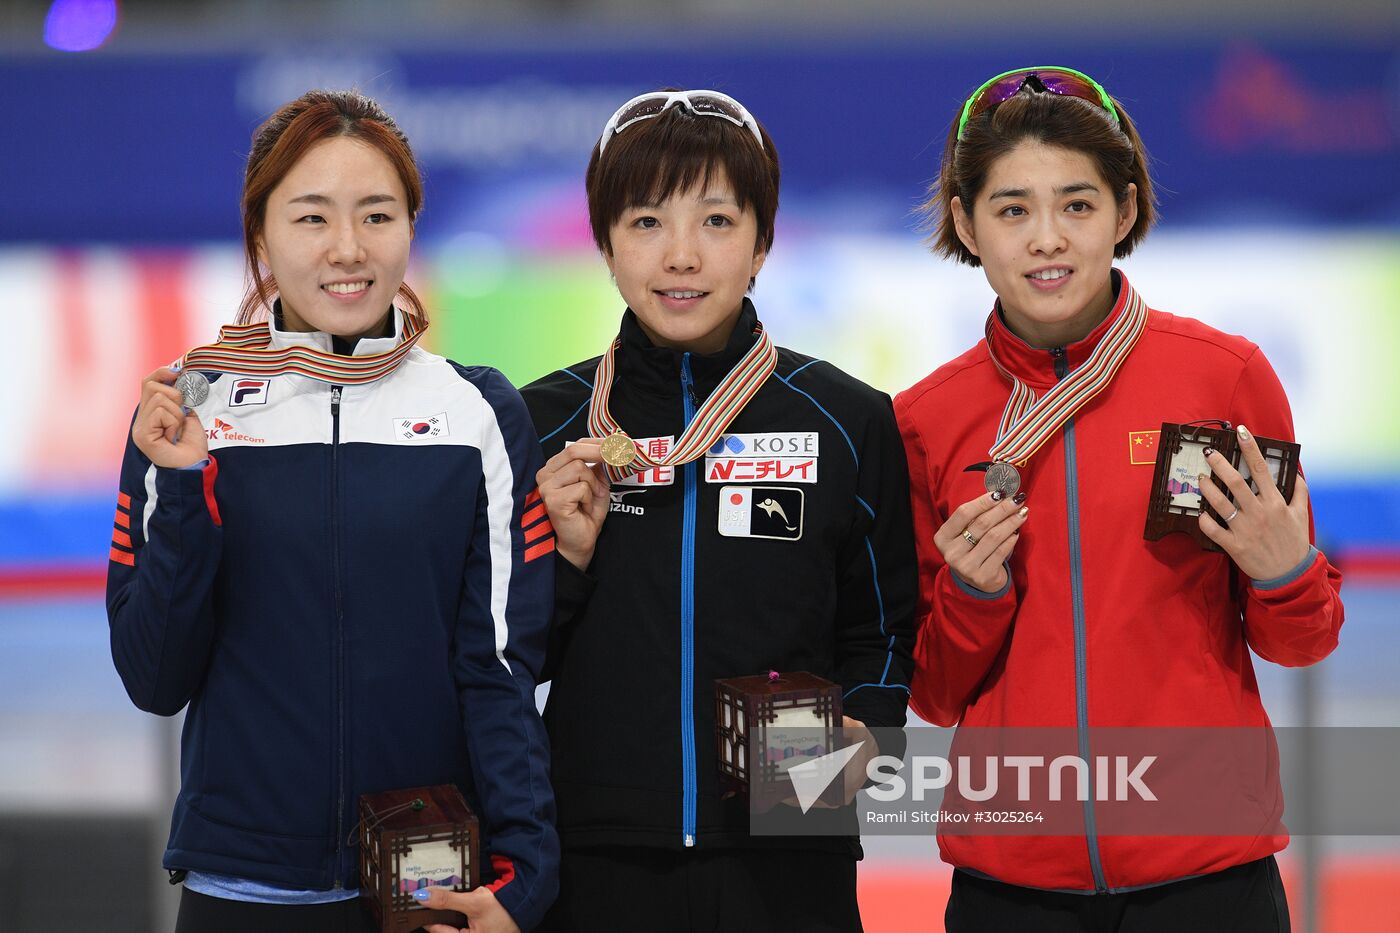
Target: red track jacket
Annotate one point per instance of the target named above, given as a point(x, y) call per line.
point(1099, 627)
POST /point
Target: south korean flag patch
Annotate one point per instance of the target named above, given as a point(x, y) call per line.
point(414, 430)
point(773, 512)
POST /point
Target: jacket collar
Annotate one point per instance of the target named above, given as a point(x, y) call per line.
point(1035, 366)
point(319, 340)
point(641, 364)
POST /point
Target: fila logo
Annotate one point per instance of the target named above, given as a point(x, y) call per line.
point(413, 430)
point(248, 392)
point(773, 512)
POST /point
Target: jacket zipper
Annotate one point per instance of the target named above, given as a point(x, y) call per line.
point(1081, 676)
point(339, 636)
point(688, 622)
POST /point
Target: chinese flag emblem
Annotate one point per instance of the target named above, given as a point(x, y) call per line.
point(1142, 446)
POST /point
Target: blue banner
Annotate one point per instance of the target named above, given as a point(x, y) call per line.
point(109, 147)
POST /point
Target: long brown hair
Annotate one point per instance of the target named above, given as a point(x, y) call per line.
point(1055, 120)
point(281, 141)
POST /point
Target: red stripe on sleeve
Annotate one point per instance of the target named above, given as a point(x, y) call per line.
point(539, 550)
point(532, 516)
point(122, 538)
point(124, 501)
point(123, 519)
point(532, 498)
point(505, 872)
point(211, 473)
point(539, 531)
point(122, 557)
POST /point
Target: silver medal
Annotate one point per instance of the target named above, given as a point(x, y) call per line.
point(1002, 476)
point(193, 387)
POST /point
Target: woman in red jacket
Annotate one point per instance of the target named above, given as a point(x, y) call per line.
point(1041, 605)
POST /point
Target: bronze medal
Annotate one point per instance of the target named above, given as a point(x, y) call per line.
point(1028, 422)
point(1004, 477)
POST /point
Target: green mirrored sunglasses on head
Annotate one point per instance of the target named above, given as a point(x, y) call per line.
point(1052, 78)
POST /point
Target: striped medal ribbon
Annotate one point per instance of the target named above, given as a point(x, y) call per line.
point(1028, 422)
point(622, 457)
point(245, 349)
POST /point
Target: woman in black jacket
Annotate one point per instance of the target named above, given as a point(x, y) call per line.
point(764, 524)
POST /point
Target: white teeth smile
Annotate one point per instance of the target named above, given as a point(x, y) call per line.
point(1049, 274)
point(346, 288)
point(682, 294)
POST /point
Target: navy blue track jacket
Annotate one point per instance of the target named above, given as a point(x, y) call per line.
point(354, 596)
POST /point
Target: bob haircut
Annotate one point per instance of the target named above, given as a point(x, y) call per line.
point(654, 159)
point(1051, 119)
point(283, 139)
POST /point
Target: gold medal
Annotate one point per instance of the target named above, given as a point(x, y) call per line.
point(621, 456)
point(618, 450)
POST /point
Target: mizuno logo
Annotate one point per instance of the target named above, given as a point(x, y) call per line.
point(615, 503)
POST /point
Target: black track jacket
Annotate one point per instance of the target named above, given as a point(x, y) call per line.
point(789, 547)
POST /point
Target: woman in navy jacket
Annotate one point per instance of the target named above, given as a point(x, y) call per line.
point(330, 557)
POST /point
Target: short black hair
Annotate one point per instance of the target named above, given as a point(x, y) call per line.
point(653, 159)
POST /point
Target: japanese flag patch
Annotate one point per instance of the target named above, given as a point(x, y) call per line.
point(773, 512)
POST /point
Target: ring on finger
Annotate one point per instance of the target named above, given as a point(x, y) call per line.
point(969, 537)
point(1231, 516)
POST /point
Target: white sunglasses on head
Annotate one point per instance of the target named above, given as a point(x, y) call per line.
point(701, 103)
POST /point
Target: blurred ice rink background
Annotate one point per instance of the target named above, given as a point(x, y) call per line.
point(1275, 129)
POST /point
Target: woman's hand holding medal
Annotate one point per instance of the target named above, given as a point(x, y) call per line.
point(168, 433)
point(575, 492)
point(1264, 535)
point(979, 536)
